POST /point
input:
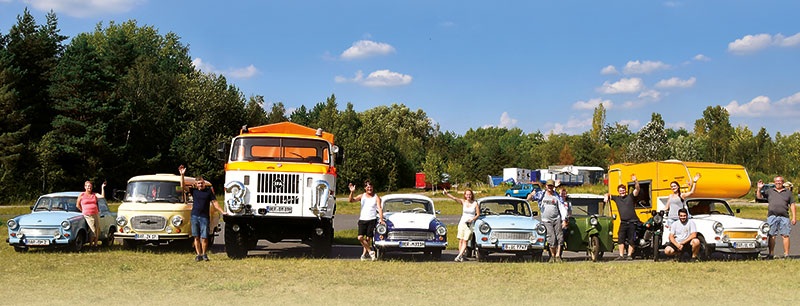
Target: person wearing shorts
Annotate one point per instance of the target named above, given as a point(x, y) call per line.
point(469, 213)
point(202, 197)
point(87, 204)
point(371, 214)
point(683, 236)
point(554, 217)
point(781, 202)
point(628, 219)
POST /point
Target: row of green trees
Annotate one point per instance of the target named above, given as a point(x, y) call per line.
point(124, 100)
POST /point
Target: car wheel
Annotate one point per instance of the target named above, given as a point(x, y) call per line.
point(379, 254)
point(704, 253)
point(321, 245)
point(436, 254)
point(508, 194)
point(129, 244)
point(537, 255)
point(594, 251)
point(77, 244)
point(235, 242)
point(20, 249)
point(109, 240)
point(656, 245)
point(481, 255)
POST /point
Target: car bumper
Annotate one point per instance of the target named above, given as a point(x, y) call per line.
point(161, 237)
point(53, 242)
point(396, 245)
point(728, 248)
point(498, 246)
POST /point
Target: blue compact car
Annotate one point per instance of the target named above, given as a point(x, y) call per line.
point(55, 221)
point(506, 225)
point(523, 190)
point(411, 226)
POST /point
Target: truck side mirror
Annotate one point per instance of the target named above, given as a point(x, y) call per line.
point(222, 150)
point(535, 213)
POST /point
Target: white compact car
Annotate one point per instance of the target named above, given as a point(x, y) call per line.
point(719, 230)
point(411, 226)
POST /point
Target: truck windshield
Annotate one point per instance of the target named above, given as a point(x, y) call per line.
point(154, 191)
point(280, 149)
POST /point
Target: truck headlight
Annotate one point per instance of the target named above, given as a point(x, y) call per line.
point(484, 228)
point(718, 227)
point(765, 228)
point(12, 224)
point(176, 221)
point(540, 229)
point(121, 221)
point(593, 221)
point(381, 228)
point(441, 230)
point(65, 225)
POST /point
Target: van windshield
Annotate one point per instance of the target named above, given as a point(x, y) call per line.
point(154, 191)
point(280, 149)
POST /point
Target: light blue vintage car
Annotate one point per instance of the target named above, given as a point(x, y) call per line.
point(506, 225)
point(56, 221)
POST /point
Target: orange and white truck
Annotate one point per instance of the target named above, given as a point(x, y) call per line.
point(279, 184)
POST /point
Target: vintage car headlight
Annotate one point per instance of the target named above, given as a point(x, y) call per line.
point(484, 228)
point(234, 205)
point(540, 229)
point(65, 225)
point(593, 221)
point(12, 224)
point(121, 221)
point(441, 230)
point(176, 221)
point(765, 228)
point(493, 238)
point(532, 238)
point(57, 234)
point(718, 227)
point(168, 230)
point(126, 229)
point(381, 228)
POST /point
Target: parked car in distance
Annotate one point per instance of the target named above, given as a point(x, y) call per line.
point(769, 186)
point(411, 226)
point(55, 221)
point(506, 225)
point(590, 228)
point(523, 190)
point(155, 210)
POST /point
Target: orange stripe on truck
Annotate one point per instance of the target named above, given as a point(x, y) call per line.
point(279, 167)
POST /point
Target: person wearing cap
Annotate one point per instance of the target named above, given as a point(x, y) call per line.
point(554, 216)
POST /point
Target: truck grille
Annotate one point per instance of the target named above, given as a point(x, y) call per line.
point(278, 188)
point(35, 232)
point(512, 235)
point(410, 235)
point(148, 223)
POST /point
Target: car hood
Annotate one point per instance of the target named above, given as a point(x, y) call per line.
point(410, 220)
point(45, 218)
point(153, 207)
point(729, 222)
point(510, 222)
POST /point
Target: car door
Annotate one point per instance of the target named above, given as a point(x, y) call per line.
point(106, 218)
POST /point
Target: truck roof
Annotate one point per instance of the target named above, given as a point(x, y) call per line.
point(288, 128)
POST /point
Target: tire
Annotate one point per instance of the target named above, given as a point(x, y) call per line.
point(704, 254)
point(20, 249)
point(129, 244)
point(436, 254)
point(508, 194)
point(656, 245)
point(481, 255)
point(379, 254)
point(594, 248)
point(235, 242)
point(321, 245)
point(184, 244)
point(76, 245)
point(537, 255)
point(109, 240)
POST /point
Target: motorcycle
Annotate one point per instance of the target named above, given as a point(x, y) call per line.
point(648, 236)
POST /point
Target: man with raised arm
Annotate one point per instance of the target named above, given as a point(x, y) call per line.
point(781, 201)
point(627, 216)
point(201, 215)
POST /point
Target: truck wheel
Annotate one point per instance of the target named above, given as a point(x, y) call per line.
point(321, 245)
point(656, 245)
point(77, 244)
point(129, 244)
point(235, 242)
point(594, 251)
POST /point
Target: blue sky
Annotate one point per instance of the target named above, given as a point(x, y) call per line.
point(534, 65)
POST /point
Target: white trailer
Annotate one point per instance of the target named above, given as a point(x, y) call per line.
point(519, 175)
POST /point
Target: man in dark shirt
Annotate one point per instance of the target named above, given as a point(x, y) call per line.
point(201, 198)
point(780, 201)
point(627, 216)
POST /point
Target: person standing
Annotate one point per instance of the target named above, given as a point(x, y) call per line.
point(87, 204)
point(568, 206)
point(553, 212)
point(781, 201)
point(627, 216)
point(681, 234)
point(676, 199)
point(469, 213)
point(202, 197)
point(371, 214)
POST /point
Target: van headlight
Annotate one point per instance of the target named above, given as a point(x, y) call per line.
point(765, 228)
point(540, 229)
point(718, 227)
point(65, 225)
point(121, 221)
point(12, 224)
point(484, 228)
point(176, 221)
point(441, 230)
point(381, 228)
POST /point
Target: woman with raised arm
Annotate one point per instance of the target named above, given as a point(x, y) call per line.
point(677, 200)
point(469, 213)
point(87, 204)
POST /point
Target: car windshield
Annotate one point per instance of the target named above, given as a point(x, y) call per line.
point(585, 207)
point(706, 207)
point(56, 204)
point(154, 191)
point(505, 207)
point(280, 149)
point(408, 206)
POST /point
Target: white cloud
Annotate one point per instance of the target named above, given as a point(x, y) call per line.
point(367, 48)
point(610, 69)
point(85, 8)
point(750, 44)
point(237, 73)
point(633, 124)
point(380, 78)
point(649, 94)
point(506, 121)
point(701, 58)
point(677, 125)
point(676, 83)
point(624, 85)
point(790, 100)
point(755, 108)
point(592, 103)
point(572, 126)
point(646, 67)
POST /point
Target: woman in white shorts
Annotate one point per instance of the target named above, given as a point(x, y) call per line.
point(469, 214)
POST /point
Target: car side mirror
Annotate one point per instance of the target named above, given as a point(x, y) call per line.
point(438, 212)
point(738, 210)
point(31, 207)
point(535, 213)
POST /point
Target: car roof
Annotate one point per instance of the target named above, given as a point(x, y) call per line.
point(63, 194)
point(405, 196)
point(584, 196)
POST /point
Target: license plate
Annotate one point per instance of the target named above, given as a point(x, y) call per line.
point(37, 241)
point(515, 247)
point(280, 209)
point(146, 237)
point(412, 244)
point(744, 245)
